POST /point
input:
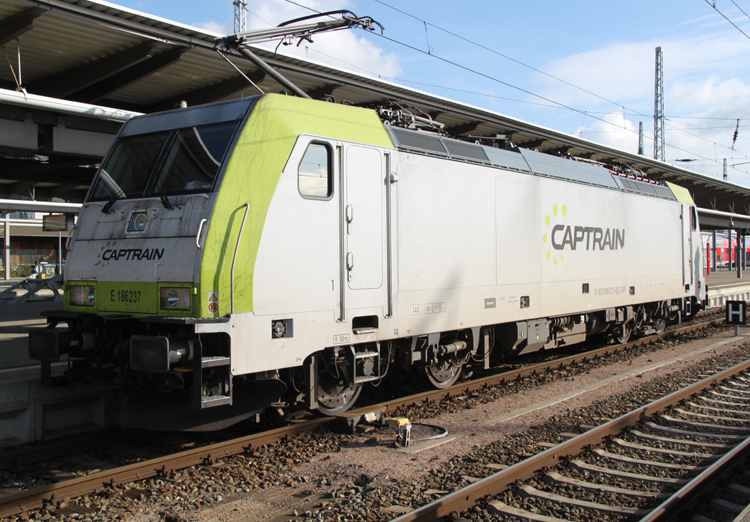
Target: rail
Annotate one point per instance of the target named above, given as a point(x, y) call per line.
point(39, 497)
point(493, 485)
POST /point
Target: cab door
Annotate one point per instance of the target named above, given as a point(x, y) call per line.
point(363, 228)
point(688, 224)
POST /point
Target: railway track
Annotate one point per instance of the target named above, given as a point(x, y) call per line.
point(164, 467)
point(646, 465)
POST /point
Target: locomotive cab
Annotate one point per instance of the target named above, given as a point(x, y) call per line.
point(133, 291)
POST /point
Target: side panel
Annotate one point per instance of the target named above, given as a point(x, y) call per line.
point(517, 212)
point(297, 266)
point(364, 217)
point(591, 233)
point(446, 225)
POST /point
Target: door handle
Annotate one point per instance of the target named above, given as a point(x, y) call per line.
point(349, 265)
point(349, 218)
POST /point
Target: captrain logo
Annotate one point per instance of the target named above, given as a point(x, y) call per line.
point(546, 237)
point(563, 237)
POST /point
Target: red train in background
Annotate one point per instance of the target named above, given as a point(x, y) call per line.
point(726, 254)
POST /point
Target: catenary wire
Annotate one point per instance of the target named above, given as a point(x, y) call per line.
point(481, 46)
point(727, 19)
point(738, 7)
point(561, 105)
point(633, 111)
point(437, 57)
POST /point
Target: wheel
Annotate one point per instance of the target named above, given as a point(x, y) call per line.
point(622, 333)
point(335, 396)
point(442, 374)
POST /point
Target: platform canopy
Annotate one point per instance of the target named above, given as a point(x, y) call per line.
point(86, 66)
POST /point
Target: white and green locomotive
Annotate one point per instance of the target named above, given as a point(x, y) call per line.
point(278, 250)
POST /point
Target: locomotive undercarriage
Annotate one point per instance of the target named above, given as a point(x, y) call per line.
point(167, 377)
point(171, 378)
point(334, 377)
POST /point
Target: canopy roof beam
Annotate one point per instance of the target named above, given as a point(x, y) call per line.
point(119, 81)
point(210, 93)
point(16, 25)
point(78, 78)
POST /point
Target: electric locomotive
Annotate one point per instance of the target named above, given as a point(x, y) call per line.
point(274, 250)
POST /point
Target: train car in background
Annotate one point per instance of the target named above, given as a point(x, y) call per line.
point(726, 254)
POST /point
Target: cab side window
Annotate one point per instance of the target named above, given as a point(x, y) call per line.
point(315, 172)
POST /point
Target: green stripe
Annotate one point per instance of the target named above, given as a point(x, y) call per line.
point(681, 193)
point(251, 177)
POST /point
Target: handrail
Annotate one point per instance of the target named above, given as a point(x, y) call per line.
point(70, 237)
point(198, 235)
point(236, 248)
point(343, 273)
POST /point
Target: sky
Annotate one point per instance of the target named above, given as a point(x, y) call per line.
point(583, 67)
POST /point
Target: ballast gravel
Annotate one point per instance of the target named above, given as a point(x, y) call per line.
point(368, 477)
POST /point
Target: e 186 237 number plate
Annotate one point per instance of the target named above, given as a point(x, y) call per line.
point(125, 296)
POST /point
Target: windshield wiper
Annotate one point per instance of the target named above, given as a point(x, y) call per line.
point(106, 208)
point(165, 201)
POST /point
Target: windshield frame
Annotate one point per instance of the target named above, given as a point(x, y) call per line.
point(174, 122)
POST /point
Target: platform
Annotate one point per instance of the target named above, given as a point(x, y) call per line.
point(29, 412)
point(15, 321)
point(725, 286)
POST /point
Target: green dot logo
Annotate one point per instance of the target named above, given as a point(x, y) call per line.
point(558, 212)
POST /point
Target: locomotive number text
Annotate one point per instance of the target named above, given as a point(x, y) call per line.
point(125, 296)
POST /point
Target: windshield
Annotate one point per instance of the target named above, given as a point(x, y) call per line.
point(163, 163)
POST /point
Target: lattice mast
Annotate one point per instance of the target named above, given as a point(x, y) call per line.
point(659, 107)
point(640, 138)
point(240, 16)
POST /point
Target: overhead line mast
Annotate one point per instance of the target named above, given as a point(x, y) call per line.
point(659, 108)
point(240, 16)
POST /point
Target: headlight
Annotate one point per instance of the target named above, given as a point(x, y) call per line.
point(137, 222)
point(82, 295)
point(174, 298)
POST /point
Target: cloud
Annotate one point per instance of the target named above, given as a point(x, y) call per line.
point(624, 71)
point(346, 49)
point(613, 130)
point(227, 27)
point(705, 76)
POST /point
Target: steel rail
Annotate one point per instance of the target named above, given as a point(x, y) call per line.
point(45, 495)
point(23, 456)
point(54, 449)
point(493, 485)
point(668, 509)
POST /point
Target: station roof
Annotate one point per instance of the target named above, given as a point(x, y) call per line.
point(109, 62)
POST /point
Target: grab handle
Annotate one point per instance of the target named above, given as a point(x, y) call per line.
point(198, 235)
point(236, 248)
point(70, 237)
